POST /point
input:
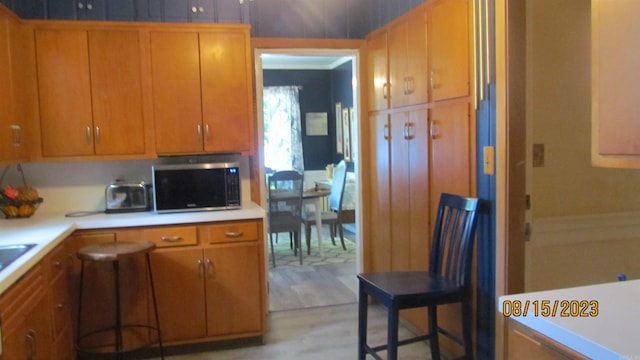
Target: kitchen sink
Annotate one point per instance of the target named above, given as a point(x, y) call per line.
point(10, 253)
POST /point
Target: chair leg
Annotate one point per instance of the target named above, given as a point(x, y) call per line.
point(341, 231)
point(290, 239)
point(362, 323)
point(332, 231)
point(433, 331)
point(392, 331)
point(307, 234)
point(297, 239)
point(467, 315)
point(273, 255)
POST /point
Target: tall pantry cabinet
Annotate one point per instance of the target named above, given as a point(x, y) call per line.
point(420, 129)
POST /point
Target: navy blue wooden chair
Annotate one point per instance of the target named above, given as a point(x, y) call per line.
point(447, 281)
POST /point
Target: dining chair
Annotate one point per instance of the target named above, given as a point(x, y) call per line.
point(285, 207)
point(447, 281)
point(333, 217)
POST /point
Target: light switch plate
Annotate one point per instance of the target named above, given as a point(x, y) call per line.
point(488, 161)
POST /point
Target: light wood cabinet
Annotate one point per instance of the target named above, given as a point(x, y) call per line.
point(202, 90)
point(615, 139)
point(410, 190)
point(407, 60)
point(90, 92)
point(449, 55)
point(58, 264)
point(380, 195)
point(13, 146)
point(524, 343)
point(214, 290)
point(378, 70)
point(26, 323)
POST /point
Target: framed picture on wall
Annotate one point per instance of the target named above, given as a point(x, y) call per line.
point(346, 134)
point(339, 145)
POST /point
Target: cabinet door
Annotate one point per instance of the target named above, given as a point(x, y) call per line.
point(227, 94)
point(380, 208)
point(175, 66)
point(452, 151)
point(378, 70)
point(6, 116)
point(64, 88)
point(233, 11)
point(149, 10)
point(31, 339)
point(410, 190)
point(449, 49)
point(234, 299)
point(408, 61)
point(121, 10)
point(116, 89)
point(180, 291)
point(615, 110)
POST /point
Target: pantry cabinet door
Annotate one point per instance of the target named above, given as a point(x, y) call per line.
point(116, 84)
point(227, 95)
point(64, 88)
point(175, 67)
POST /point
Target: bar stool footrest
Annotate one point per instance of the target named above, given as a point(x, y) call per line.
point(109, 349)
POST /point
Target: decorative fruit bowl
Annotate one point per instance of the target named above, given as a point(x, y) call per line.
point(19, 202)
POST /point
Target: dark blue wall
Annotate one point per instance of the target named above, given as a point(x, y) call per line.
point(321, 89)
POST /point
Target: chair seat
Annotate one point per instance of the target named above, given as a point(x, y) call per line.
point(114, 251)
point(327, 216)
point(411, 288)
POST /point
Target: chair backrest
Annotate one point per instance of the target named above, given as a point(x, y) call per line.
point(453, 238)
point(285, 200)
point(337, 186)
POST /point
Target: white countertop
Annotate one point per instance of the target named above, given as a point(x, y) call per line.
point(48, 230)
point(612, 334)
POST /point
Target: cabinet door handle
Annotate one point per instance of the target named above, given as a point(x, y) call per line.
point(97, 134)
point(201, 9)
point(199, 129)
point(210, 269)
point(16, 135)
point(408, 133)
point(30, 338)
point(385, 91)
point(80, 5)
point(434, 130)
point(88, 134)
point(433, 82)
point(89, 6)
point(385, 132)
point(171, 238)
point(200, 269)
point(233, 234)
point(206, 132)
point(194, 9)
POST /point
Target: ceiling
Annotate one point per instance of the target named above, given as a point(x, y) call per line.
point(302, 62)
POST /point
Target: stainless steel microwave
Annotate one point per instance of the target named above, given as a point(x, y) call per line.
point(196, 187)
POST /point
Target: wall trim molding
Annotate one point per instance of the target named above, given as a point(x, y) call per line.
point(584, 229)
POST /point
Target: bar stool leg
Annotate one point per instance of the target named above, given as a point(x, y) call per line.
point(155, 306)
point(78, 330)
point(118, 319)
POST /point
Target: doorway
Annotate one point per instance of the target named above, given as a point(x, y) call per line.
point(302, 282)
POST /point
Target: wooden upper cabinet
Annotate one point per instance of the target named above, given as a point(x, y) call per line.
point(448, 39)
point(408, 60)
point(378, 70)
point(615, 109)
point(6, 116)
point(202, 91)
point(90, 92)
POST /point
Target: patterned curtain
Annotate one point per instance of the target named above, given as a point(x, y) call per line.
point(282, 128)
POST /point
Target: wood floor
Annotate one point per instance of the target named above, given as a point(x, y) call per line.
point(321, 333)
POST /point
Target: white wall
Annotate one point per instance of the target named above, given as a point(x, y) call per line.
point(79, 186)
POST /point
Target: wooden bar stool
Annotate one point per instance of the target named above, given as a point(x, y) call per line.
point(113, 252)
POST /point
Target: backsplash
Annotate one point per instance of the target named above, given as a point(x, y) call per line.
point(79, 186)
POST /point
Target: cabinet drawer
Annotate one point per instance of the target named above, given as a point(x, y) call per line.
point(61, 305)
point(171, 236)
point(232, 231)
point(57, 262)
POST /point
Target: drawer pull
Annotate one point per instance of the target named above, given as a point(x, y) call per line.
point(171, 238)
point(233, 234)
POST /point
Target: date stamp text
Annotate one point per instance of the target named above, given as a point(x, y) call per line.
point(550, 308)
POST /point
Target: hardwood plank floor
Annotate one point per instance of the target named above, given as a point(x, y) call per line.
point(328, 332)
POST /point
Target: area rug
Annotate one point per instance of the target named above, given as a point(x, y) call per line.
point(332, 254)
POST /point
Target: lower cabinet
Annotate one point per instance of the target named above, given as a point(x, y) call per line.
point(524, 343)
point(214, 290)
point(26, 321)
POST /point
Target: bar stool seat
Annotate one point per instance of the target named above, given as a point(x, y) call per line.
point(113, 252)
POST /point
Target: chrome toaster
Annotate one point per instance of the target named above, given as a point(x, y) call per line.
point(127, 197)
